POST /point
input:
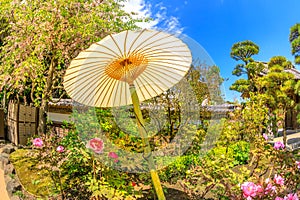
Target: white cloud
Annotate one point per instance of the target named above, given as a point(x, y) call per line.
point(159, 14)
point(141, 10)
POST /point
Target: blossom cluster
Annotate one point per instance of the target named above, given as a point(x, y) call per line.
point(38, 142)
point(278, 145)
point(269, 188)
point(97, 145)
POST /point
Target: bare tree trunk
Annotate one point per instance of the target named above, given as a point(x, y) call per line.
point(45, 99)
point(283, 127)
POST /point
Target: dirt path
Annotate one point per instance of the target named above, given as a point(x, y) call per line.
point(3, 192)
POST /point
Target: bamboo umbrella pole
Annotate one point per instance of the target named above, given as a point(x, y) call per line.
point(146, 144)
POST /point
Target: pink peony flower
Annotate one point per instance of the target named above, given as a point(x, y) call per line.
point(114, 156)
point(270, 189)
point(298, 164)
point(96, 144)
point(60, 149)
point(278, 180)
point(265, 136)
point(249, 190)
point(278, 145)
point(291, 197)
point(38, 142)
point(259, 190)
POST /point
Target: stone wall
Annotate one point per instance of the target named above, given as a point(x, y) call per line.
point(10, 177)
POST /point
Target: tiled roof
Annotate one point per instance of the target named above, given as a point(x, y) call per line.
point(293, 71)
point(223, 108)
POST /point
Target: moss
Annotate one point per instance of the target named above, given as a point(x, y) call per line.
point(34, 180)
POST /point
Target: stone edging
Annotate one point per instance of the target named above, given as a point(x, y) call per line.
point(11, 180)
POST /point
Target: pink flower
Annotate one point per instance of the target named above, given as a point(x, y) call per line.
point(278, 180)
point(38, 142)
point(278, 145)
point(279, 198)
point(298, 164)
point(265, 136)
point(60, 149)
point(291, 197)
point(270, 189)
point(249, 190)
point(259, 190)
point(96, 144)
point(114, 156)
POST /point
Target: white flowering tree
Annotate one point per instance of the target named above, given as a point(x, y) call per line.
point(44, 36)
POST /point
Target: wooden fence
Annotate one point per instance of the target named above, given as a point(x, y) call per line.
point(22, 122)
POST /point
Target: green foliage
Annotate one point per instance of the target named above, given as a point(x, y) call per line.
point(74, 173)
point(281, 61)
point(278, 86)
point(238, 152)
point(239, 70)
point(45, 35)
point(295, 42)
point(205, 82)
point(240, 85)
point(244, 50)
point(242, 154)
point(179, 168)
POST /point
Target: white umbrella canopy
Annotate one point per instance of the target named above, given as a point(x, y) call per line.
point(150, 61)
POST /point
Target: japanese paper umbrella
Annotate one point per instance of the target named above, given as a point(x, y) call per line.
point(150, 61)
point(127, 68)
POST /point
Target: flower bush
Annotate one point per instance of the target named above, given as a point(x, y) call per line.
point(75, 170)
point(243, 164)
point(270, 171)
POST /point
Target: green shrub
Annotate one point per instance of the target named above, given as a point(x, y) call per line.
point(237, 152)
point(179, 168)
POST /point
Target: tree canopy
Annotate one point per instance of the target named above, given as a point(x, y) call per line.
point(295, 42)
point(44, 36)
point(278, 86)
point(243, 51)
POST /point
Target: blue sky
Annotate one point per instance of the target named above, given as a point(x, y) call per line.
point(218, 24)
